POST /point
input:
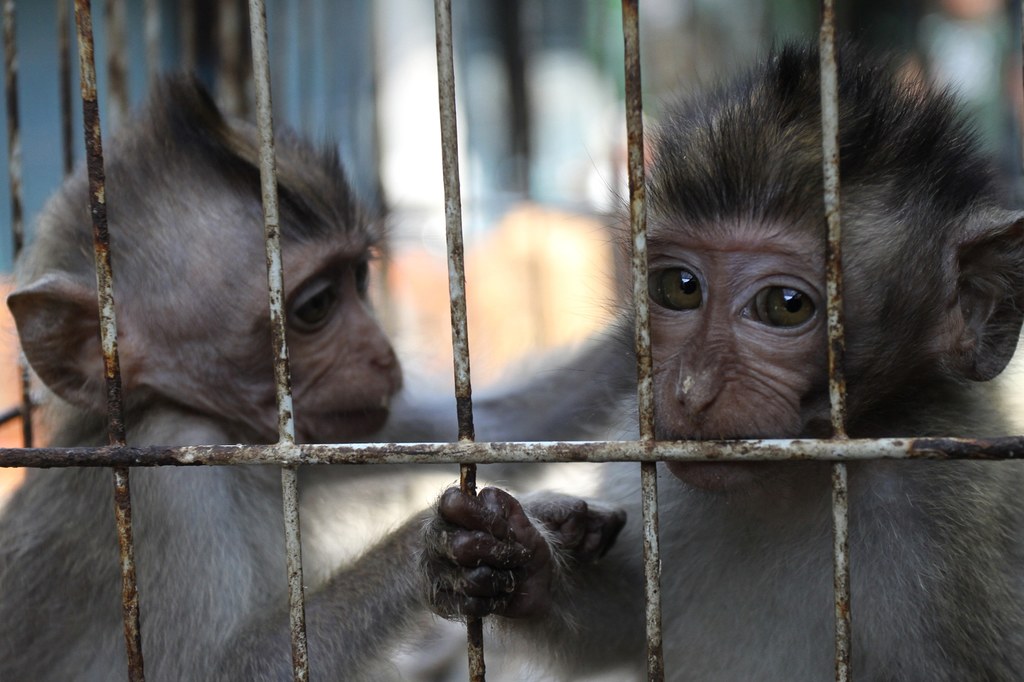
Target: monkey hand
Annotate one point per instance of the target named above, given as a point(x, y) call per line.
point(486, 554)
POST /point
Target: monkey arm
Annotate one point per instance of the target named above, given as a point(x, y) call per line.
point(566, 396)
point(353, 620)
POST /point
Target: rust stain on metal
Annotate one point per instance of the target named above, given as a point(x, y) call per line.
point(772, 450)
point(293, 551)
point(652, 571)
point(453, 217)
point(841, 569)
point(836, 343)
point(456, 280)
point(271, 218)
point(108, 333)
point(282, 375)
point(129, 586)
point(638, 216)
point(645, 373)
point(833, 248)
point(64, 59)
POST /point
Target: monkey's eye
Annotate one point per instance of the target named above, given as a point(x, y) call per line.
point(313, 306)
point(782, 307)
point(675, 288)
point(362, 273)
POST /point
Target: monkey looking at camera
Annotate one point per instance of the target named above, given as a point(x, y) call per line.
point(195, 345)
point(934, 295)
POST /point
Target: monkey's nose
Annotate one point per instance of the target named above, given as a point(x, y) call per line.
point(696, 391)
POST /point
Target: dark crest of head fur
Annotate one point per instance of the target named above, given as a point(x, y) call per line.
point(179, 173)
point(181, 110)
point(754, 149)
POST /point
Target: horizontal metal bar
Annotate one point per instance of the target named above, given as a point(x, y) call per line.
point(1011, 447)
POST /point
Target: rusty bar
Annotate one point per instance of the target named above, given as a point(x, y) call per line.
point(271, 219)
point(1020, 128)
point(282, 377)
point(836, 343)
point(645, 383)
point(151, 29)
point(14, 167)
point(776, 450)
point(64, 58)
point(108, 333)
point(456, 279)
point(117, 63)
point(833, 251)
point(841, 568)
point(453, 217)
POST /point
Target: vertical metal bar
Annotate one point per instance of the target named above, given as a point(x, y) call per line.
point(117, 63)
point(457, 279)
point(14, 167)
point(645, 383)
point(151, 28)
point(836, 343)
point(108, 333)
point(64, 57)
point(282, 377)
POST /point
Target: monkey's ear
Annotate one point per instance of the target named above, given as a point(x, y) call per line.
point(991, 293)
point(58, 326)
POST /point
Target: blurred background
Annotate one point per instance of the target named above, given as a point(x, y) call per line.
point(541, 123)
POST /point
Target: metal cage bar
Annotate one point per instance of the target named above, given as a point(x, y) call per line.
point(282, 377)
point(836, 343)
point(769, 450)
point(645, 372)
point(14, 168)
point(108, 333)
point(456, 280)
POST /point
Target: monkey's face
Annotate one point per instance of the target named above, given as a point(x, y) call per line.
point(738, 336)
point(344, 370)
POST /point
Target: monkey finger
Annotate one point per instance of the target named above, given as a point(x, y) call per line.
point(470, 512)
point(509, 508)
point(602, 529)
point(484, 581)
point(476, 548)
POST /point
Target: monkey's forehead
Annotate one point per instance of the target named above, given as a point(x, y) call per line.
point(754, 144)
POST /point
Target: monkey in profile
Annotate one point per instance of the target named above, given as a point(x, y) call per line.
point(934, 298)
point(186, 228)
